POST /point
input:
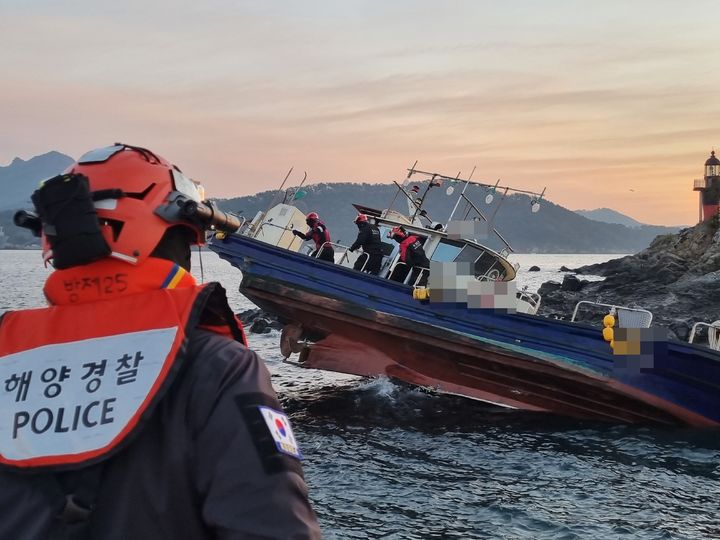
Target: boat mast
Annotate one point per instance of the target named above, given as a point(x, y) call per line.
point(272, 201)
point(457, 203)
point(418, 206)
point(410, 172)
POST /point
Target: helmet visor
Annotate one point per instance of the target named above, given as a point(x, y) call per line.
point(187, 187)
point(100, 155)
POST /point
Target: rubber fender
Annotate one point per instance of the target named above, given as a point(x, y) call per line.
point(608, 334)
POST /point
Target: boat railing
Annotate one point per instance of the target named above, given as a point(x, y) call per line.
point(627, 317)
point(406, 281)
point(713, 333)
point(334, 244)
point(422, 272)
point(493, 274)
point(532, 299)
point(367, 259)
point(243, 222)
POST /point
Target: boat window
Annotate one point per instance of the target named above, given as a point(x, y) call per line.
point(469, 254)
point(483, 262)
point(446, 252)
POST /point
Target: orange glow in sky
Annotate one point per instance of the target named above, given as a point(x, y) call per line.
point(608, 104)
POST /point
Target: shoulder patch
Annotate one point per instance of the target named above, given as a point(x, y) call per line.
point(277, 448)
point(281, 431)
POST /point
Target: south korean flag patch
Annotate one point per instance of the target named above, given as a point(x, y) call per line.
point(281, 432)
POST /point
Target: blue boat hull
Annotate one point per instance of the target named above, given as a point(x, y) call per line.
point(366, 325)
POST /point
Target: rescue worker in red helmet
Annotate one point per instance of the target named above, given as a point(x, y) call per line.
point(369, 239)
point(132, 407)
point(319, 234)
point(412, 254)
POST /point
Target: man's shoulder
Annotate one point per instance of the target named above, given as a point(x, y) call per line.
point(219, 360)
point(217, 351)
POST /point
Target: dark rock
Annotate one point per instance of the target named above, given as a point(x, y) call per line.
point(572, 283)
point(276, 325)
point(534, 269)
point(565, 269)
point(548, 287)
point(260, 326)
point(259, 321)
point(249, 315)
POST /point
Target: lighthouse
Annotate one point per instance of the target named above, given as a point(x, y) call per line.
point(709, 188)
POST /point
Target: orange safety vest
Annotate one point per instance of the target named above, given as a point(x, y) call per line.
point(77, 379)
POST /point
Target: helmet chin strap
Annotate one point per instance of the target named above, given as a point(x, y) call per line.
point(202, 272)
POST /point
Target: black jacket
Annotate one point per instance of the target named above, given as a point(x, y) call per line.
point(201, 468)
point(368, 238)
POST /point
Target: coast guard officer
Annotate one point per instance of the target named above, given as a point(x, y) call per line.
point(319, 234)
point(132, 407)
point(369, 239)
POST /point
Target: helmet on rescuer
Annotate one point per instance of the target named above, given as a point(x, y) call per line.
point(397, 233)
point(311, 218)
point(361, 218)
point(137, 196)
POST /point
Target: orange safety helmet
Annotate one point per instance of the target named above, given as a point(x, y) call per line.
point(398, 231)
point(138, 196)
point(361, 218)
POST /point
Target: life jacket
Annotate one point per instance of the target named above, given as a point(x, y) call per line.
point(406, 244)
point(78, 379)
point(319, 237)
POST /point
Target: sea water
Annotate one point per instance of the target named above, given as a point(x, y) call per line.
point(384, 460)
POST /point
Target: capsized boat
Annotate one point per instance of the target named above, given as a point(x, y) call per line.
point(470, 332)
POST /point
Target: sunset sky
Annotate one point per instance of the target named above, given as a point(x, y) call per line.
point(610, 103)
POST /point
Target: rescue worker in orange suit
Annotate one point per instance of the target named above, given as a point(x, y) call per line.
point(369, 239)
point(132, 405)
point(319, 234)
point(413, 255)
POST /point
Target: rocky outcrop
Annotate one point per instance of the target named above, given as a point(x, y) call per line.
point(677, 278)
point(259, 322)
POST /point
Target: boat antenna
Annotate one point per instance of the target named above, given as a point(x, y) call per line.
point(272, 201)
point(418, 206)
point(409, 198)
point(411, 170)
point(431, 184)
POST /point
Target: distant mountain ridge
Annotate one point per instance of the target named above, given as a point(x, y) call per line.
point(17, 182)
point(19, 179)
point(608, 215)
point(553, 229)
